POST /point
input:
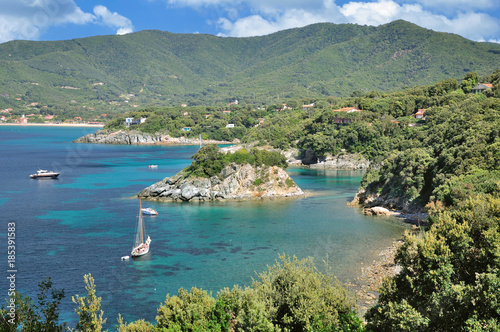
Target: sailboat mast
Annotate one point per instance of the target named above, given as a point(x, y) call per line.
point(140, 220)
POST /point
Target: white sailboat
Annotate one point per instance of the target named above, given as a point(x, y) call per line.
point(141, 247)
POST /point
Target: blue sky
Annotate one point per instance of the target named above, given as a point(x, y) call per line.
point(478, 20)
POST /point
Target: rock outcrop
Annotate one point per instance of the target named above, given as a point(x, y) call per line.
point(137, 137)
point(348, 161)
point(234, 182)
point(351, 161)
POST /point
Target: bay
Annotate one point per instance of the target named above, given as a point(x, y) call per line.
point(84, 221)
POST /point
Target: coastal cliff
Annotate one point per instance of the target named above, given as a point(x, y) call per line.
point(137, 137)
point(234, 182)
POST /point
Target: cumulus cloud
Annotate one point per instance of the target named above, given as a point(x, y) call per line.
point(113, 20)
point(256, 25)
point(273, 15)
point(27, 19)
point(450, 5)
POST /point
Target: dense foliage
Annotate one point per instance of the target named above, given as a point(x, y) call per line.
point(21, 312)
point(112, 74)
point(209, 160)
point(450, 278)
point(453, 155)
point(293, 295)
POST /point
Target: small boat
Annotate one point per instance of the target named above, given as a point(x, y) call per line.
point(124, 258)
point(153, 166)
point(140, 247)
point(44, 174)
point(149, 211)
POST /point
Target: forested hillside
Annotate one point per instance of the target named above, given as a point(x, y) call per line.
point(107, 74)
point(448, 154)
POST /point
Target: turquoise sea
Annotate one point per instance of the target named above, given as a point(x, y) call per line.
point(84, 222)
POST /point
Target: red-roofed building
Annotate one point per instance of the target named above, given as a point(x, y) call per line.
point(420, 114)
point(347, 109)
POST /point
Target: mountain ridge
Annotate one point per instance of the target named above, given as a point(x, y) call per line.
point(167, 69)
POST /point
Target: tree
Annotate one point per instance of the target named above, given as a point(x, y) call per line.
point(89, 309)
point(29, 316)
point(450, 278)
point(469, 81)
point(138, 326)
point(191, 311)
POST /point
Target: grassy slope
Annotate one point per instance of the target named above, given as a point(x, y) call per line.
point(320, 59)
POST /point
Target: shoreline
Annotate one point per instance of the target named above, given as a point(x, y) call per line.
point(367, 283)
point(52, 125)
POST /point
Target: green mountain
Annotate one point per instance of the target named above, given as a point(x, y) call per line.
point(161, 68)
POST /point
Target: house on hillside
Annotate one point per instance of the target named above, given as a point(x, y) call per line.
point(308, 107)
point(347, 109)
point(481, 87)
point(131, 121)
point(339, 119)
point(284, 107)
point(420, 114)
point(22, 120)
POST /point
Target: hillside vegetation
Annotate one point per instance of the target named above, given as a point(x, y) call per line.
point(106, 74)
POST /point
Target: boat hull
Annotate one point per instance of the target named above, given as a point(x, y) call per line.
point(44, 176)
point(149, 211)
point(142, 249)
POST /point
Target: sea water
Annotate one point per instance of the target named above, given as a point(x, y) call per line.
point(84, 222)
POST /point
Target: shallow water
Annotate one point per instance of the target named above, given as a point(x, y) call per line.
point(84, 222)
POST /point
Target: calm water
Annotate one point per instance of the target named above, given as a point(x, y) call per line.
point(84, 222)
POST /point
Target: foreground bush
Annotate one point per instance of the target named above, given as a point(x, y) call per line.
point(291, 296)
point(450, 278)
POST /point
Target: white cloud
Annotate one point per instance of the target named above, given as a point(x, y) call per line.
point(113, 20)
point(270, 17)
point(256, 25)
point(27, 19)
point(459, 4)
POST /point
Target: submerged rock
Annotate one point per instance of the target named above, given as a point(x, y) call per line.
point(236, 182)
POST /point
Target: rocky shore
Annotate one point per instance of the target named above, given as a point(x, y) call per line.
point(367, 284)
point(347, 161)
point(376, 205)
point(137, 137)
point(234, 182)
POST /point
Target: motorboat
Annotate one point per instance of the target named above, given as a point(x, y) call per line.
point(44, 174)
point(149, 211)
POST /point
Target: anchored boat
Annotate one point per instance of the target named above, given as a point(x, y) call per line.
point(44, 174)
point(141, 247)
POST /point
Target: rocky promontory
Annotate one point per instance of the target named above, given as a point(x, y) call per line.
point(234, 182)
point(136, 137)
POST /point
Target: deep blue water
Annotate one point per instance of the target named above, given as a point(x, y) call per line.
point(84, 222)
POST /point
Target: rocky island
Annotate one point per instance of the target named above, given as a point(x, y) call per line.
point(214, 175)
